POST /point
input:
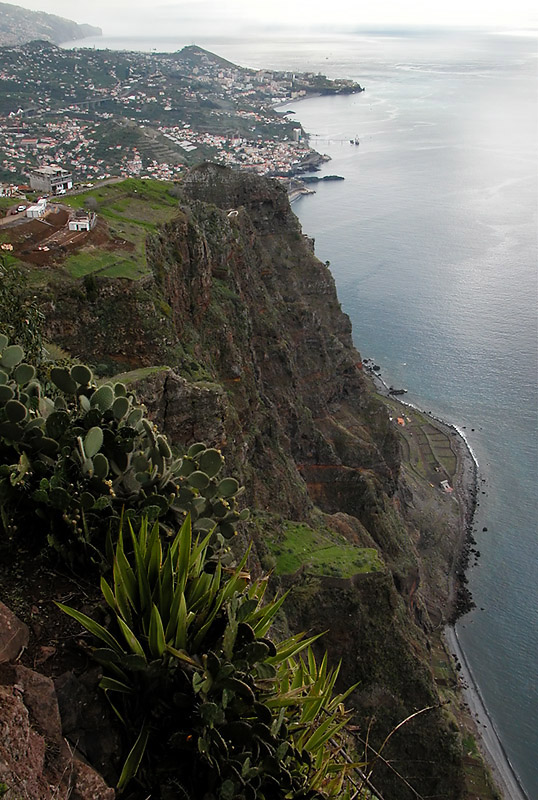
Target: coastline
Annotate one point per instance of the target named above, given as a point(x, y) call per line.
point(466, 492)
point(487, 738)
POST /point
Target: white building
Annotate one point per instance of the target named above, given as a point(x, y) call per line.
point(51, 179)
point(83, 221)
point(37, 210)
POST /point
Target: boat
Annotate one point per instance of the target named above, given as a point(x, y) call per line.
point(392, 390)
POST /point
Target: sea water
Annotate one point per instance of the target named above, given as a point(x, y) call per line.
point(432, 240)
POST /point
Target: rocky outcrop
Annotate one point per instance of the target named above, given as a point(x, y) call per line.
point(14, 635)
point(36, 762)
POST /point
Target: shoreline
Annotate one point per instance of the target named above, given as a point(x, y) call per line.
point(487, 738)
point(467, 488)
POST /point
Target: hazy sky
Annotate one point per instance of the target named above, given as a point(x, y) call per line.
point(226, 16)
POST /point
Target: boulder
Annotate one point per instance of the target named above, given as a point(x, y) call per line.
point(35, 761)
point(14, 635)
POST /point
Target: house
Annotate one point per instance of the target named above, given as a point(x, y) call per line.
point(7, 190)
point(51, 179)
point(37, 210)
point(83, 221)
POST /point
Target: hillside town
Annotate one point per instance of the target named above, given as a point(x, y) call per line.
point(100, 114)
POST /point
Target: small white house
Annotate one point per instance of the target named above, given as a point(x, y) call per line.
point(83, 221)
point(37, 210)
point(7, 190)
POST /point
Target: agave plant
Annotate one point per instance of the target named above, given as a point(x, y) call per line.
point(214, 707)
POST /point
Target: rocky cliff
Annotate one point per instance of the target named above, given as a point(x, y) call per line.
point(237, 338)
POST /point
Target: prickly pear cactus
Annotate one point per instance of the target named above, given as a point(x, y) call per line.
point(75, 456)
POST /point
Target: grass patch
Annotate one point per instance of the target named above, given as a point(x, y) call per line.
point(106, 263)
point(132, 208)
point(321, 552)
point(136, 375)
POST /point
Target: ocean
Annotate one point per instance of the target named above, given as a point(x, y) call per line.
point(432, 241)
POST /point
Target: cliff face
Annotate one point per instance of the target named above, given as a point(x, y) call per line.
point(19, 25)
point(261, 363)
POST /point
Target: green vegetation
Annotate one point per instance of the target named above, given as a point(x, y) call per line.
point(211, 706)
point(104, 262)
point(75, 457)
point(425, 448)
point(20, 317)
point(5, 203)
point(141, 374)
point(132, 208)
point(320, 552)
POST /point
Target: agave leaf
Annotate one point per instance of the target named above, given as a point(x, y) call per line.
point(266, 616)
point(180, 639)
point(198, 639)
point(144, 593)
point(237, 580)
point(132, 762)
point(156, 634)
point(183, 656)
point(112, 685)
point(198, 555)
point(120, 594)
point(292, 647)
point(329, 728)
point(154, 556)
point(167, 589)
point(196, 591)
point(93, 627)
point(108, 594)
point(130, 638)
point(172, 623)
point(157, 594)
point(311, 661)
point(284, 699)
point(298, 678)
point(184, 561)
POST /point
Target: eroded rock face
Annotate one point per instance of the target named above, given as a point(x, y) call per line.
point(36, 763)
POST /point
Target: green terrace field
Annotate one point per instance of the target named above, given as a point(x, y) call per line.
point(131, 208)
point(426, 448)
point(320, 552)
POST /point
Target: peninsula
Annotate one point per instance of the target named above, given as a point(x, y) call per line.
point(101, 113)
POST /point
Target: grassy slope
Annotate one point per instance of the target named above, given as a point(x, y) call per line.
point(320, 552)
point(132, 209)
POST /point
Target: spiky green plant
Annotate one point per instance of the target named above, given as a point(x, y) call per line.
point(213, 707)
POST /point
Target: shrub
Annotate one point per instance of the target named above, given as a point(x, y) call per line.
point(20, 316)
point(213, 707)
point(74, 457)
